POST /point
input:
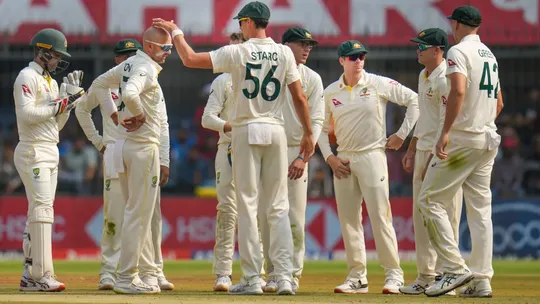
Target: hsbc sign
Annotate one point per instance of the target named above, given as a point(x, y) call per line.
point(381, 22)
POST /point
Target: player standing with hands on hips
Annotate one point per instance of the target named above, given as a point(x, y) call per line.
point(137, 156)
point(42, 110)
point(466, 149)
point(301, 42)
point(113, 199)
point(357, 104)
point(433, 94)
point(260, 70)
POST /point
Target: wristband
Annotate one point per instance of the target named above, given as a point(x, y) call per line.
point(176, 32)
point(300, 157)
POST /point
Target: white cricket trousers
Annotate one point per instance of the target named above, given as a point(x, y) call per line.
point(470, 169)
point(261, 171)
point(297, 216)
point(368, 181)
point(140, 185)
point(226, 212)
point(37, 165)
point(427, 264)
point(113, 216)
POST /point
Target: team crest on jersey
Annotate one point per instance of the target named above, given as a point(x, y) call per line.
point(36, 173)
point(364, 92)
point(336, 103)
point(108, 185)
point(451, 63)
point(430, 93)
point(154, 181)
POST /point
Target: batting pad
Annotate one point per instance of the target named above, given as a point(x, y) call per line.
point(41, 242)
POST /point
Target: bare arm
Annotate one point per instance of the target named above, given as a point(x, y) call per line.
point(301, 106)
point(500, 103)
point(458, 83)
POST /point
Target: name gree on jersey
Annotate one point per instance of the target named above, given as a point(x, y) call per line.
point(485, 53)
point(272, 56)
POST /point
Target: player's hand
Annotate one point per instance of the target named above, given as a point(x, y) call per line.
point(296, 168)
point(227, 127)
point(114, 117)
point(163, 175)
point(307, 147)
point(441, 146)
point(394, 142)
point(134, 123)
point(74, 78)
point(71, 97)
point(169, 26)
point(339, 166)
point(408, 161)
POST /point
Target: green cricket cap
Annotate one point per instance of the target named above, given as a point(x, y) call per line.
point(432, 36)
point(254, 10)
point(298, 34)
point(351, 47)
point(468, 15)
point(126, 46)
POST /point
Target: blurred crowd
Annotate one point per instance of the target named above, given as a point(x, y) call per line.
point(516, 171)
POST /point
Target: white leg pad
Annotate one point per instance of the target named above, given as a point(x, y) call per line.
point(41, 221)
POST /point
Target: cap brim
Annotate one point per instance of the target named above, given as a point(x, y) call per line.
point(315, 42)
point(63, 53)
point(450, 17)
point(237, 17)
point(357, 51)
point(418, 40)
point(121, 52)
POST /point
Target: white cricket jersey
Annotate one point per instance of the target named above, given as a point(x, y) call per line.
point(432, 94)
point(139, 93)
point(313, 88)
point(261, 70)
point(216, 111)
point(476, 120)
point(33, 90)
point(83, 111)
point(359, 112)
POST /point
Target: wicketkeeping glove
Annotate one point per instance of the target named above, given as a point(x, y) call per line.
point(74, 78)
point(70, 97)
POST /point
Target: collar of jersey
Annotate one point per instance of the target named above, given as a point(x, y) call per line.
point(150, 60)
point(266, 40)
point(361, 82)
point(471, 38)
point(438, 70)
point(34, 65)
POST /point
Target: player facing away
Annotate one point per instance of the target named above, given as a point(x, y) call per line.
point(42, 109)
point(113, 200)
point(465, 150)
point(432, 95)
point(357, 104)
point(260, 70)
point(216, 117)
point(137, 156)
point(301, 42)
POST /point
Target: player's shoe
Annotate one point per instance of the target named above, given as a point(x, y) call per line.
point(246, 288)
point(106, 283)
point(223, 283)
point(437, 279)
point(49, 284)
point(448, 282)
point(164, 284)
point(271, 285)
point(480, 288)
point(27, 283)
point(285, 288)
point(352, 286)
point(296, 284)
point(151, 281)
point(415, 288)
point(137, 286)
point(392, 286)
point(262, 282)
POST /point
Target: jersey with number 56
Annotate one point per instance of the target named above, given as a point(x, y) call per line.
point(475, 60)
point(261, 70)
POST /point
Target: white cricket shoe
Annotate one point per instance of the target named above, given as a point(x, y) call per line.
point(106, 283)
point(137, 286)
point(437, 279)
point(263, 282)
point(448, 282)
point(285, 288)
point(164, 284)
point(223, 283)
point(392, 286)
point(271, 285)
point(480, 288)
point(27, 283)
point(415, 288)
point(151, 281)
point(352, 286)
point(49, 284)
point(296, 284)
point(246, 288)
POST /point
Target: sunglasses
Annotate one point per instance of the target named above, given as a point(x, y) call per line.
point(423, 47)
point(164, 47)
point(355, 57)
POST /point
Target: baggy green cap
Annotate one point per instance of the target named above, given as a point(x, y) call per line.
point(127, 45)
point(468, 15)
point(351, 47)
point(254, 10)
point(432, 36)
point(297, 34)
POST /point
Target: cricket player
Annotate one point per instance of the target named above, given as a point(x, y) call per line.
point(42, 110)
point(137, 156)
point(259, 69)
point(215, 117)
point(433, 93)
point(301, 43)
point(466, 148)
point(113, 200)
point(357, 104)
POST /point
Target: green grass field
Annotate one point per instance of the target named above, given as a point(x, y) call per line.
point(514, 282)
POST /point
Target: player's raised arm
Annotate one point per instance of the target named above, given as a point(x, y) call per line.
point(189, 57)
